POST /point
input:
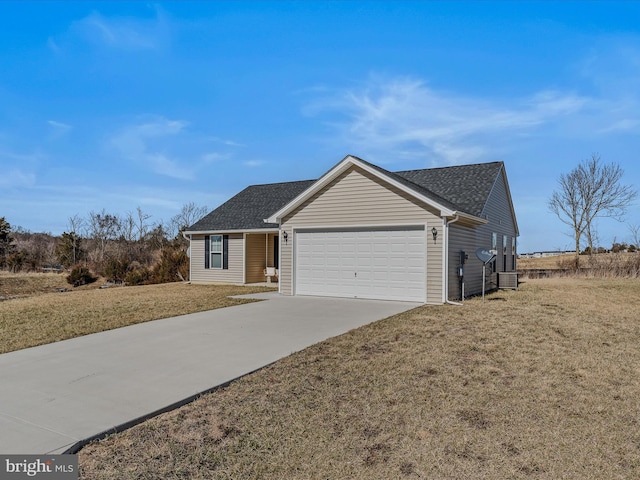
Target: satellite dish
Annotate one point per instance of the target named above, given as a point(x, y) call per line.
point(485, 255)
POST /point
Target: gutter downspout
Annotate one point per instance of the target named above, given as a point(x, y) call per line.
point(446, 260)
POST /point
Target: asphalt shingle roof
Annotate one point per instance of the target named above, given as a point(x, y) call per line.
point(248, 209)
point(463, 188)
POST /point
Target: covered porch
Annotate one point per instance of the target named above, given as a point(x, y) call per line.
point(261, 257)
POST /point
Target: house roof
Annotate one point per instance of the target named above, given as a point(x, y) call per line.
point(463, 189)
point(465, 186)
point(248, 209)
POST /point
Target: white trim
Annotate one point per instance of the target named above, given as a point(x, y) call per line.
point(226, 232)
point(244, 258)
point(211, 252)
point(190, 258)
point(447, 258)
point(361, 226)
point(279, 260)
point(341, 167)
point(445, 262)
point(292, 254)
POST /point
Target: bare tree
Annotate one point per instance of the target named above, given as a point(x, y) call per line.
point(591, 190)
point(635, 235)
point(142, 226)
point(77, 225)
point(189, 215)
point(103, 227)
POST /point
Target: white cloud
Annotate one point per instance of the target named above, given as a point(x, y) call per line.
point(120, 33)
point(253, 163)
point(16, 178)
point(407, 118)
point(58, 129)
point(228, 143)
point(143, 143)
point(214, 157)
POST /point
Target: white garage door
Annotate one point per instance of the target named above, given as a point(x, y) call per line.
point(381, 264)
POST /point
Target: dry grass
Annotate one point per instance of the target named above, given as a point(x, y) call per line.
point(539, 383)
point(34, 317)
point(546, 263)
point(14, 285)
point(621, 264)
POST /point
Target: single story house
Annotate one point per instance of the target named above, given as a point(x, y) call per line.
point(362, 231)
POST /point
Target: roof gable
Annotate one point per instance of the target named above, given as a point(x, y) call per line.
point(416, 191)
point(462, 189)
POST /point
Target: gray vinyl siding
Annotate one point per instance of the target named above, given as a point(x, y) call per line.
point(233, 274)
point(498, 211)
point(357, 198)
point(465, 239)
point(501, 221)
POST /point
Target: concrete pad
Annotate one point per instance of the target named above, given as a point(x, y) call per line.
point(55, 395)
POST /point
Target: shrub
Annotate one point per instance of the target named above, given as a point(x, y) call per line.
point(115, 270)
point(138, 276)
point(172, 267)
point(80, 275)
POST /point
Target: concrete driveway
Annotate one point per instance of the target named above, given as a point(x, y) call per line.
point(54, 396)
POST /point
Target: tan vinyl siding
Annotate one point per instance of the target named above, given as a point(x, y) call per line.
point(286, 263)
point(231, 275)
point(434, 261)
point(270, 250)
point(256, 254)
point(357, 198)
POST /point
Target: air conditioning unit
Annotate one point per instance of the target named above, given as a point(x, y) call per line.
point(508, 280)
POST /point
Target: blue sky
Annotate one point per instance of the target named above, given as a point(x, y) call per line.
point(153, 105)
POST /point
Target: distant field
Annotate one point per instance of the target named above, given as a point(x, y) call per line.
point(37, 314)
point(600, 265)
point(548, 263)
point(538, 383)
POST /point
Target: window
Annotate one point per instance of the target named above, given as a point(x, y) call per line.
point(216, 251)
point(505, 242)
point(494, 247)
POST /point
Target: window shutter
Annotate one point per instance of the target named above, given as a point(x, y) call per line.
point(207, 251)
point(225, 252)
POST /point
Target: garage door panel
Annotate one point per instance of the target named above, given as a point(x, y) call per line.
point(384, 264)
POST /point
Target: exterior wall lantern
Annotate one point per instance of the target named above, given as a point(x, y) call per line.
point(434, 232)
point(285, 236)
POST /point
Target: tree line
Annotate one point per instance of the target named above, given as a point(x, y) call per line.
point(129, 248)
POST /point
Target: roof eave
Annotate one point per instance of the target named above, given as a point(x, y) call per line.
point(234, 230)
point(468, 218)
point(338, 169)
